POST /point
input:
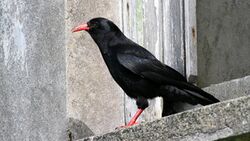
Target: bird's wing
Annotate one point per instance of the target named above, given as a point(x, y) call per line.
point(154, 70)
point(148, 67)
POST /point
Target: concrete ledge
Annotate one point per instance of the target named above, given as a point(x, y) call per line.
point(230, 89)
point(225, 119)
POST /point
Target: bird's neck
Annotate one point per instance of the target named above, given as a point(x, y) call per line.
point(102, 45)
point(106, 41)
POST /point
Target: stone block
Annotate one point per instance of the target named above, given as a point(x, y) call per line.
point(217, 121)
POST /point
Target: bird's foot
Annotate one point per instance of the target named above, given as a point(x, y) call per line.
point(126, 126)
point(133, 120)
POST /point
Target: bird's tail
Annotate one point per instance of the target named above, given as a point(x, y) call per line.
point(178, 97)
point(189, 93)
point(203, 97)
point(168, 108)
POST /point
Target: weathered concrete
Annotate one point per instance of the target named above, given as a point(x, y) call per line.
point(93, 96)
point(208, 123)
point(231, 89)
point(32, 70)
point(223, 28)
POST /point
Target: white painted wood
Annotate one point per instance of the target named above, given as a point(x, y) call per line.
point(191, 40)
point(173, 34)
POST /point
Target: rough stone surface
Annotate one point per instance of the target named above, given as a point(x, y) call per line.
point(223, 40)
point(231, 89)
point(208, 123)
point(93, 96)
point(32, 70)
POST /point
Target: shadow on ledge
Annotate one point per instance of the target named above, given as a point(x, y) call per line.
point(78, 129)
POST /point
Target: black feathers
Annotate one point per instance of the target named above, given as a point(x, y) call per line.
point(138, 72)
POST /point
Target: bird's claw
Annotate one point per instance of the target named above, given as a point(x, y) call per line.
point(126, 126)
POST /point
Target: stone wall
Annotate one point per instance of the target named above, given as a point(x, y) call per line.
point(32, 70)
point(223, 40)
point(93, 96)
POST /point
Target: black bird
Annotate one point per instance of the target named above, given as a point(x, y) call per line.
point(139, 73)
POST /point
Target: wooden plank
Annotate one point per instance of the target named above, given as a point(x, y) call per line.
point(153, 42)
point(174, 40)
point(173, 34)
point(143, 24)
point(130, 30)
point(191, 40)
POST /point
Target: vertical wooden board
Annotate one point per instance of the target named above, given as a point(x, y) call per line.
point(191, 40)
point(129, 18)
point(130, 13)
point(153, 27)
point(173, 34)
point(139, 21)
point(152, 33)
point(174, 40)
point(143, 24)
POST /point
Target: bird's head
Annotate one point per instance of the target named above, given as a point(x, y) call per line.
point(97, 26)
point(103, 31)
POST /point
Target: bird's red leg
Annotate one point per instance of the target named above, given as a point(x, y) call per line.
point(142, 104)
point(135, 117)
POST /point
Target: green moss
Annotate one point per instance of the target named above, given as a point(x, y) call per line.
point(243, 137)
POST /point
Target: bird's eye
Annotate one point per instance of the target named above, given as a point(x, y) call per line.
point(95, 25)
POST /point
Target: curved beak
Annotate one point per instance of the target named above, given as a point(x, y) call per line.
point(80, 28)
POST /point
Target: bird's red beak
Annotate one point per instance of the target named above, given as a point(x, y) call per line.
point(80, 28)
